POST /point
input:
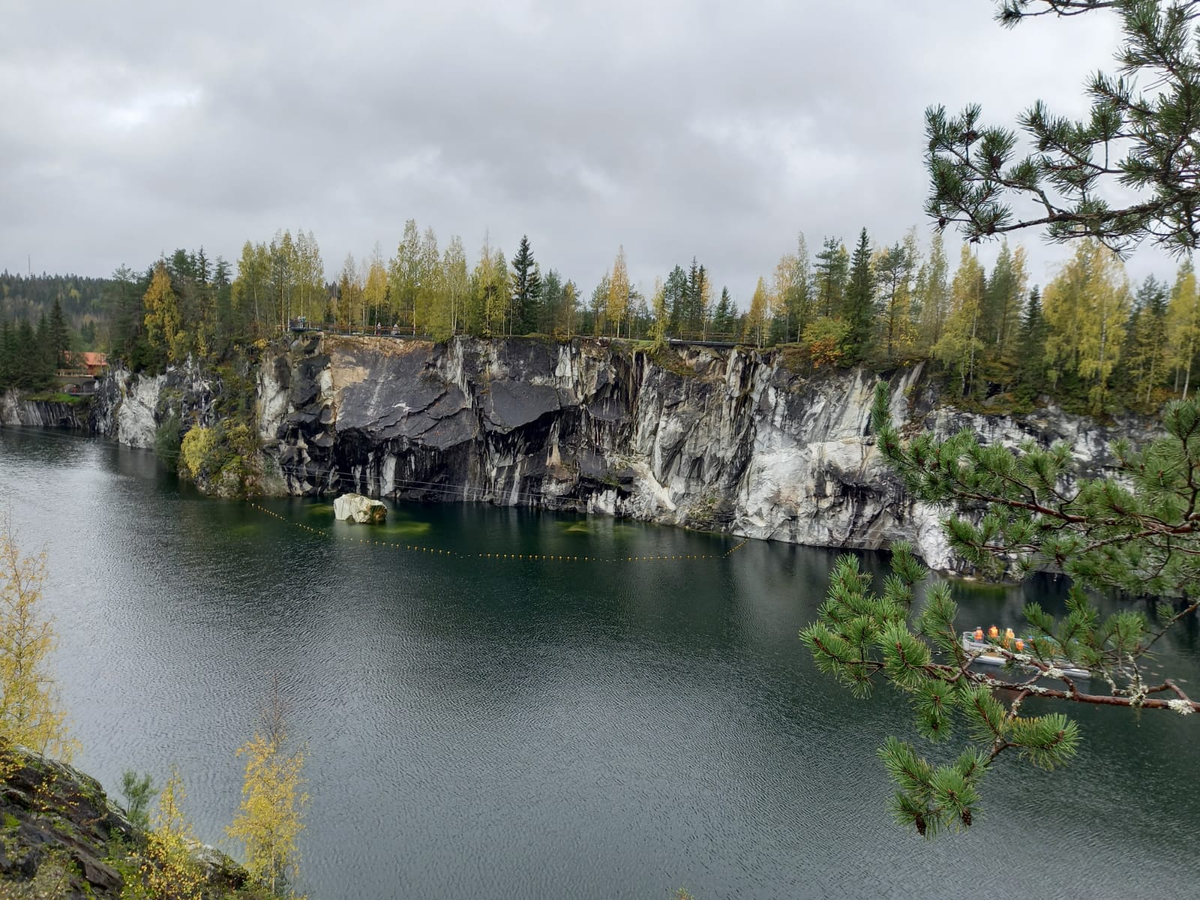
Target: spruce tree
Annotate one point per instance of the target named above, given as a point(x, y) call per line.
point(1144, 359)
point(723, 317)
point(59, 335)
point(550, 312)
point(675, 294)
point(830, 276)
point(8, 372)
point(1031, 372)
point(894, 271)
point(27, 360)
point(526, 289)
point(859, 309)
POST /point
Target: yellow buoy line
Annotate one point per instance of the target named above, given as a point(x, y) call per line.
point(536, 557)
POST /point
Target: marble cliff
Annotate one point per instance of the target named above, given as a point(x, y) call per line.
point(720, 439)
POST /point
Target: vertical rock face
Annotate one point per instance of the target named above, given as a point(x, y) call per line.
point(130, 408)
point(16, 410)
point(719, 439)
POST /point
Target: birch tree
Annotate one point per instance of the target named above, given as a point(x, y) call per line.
point(31, 714)
point(617, 307)
point(271, 815)
point(960, 345)
point(1086, 307)
point(1183, 327)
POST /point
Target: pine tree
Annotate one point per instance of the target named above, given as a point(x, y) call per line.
point(1132, 532)
point(859, 310)
point(28, 363)
point(1127, 148)
point(693, 318)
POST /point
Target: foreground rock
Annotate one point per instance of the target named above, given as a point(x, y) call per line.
point(359, 509)
point(61, 837)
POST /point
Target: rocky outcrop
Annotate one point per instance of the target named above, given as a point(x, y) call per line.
point(359, 509)
point(61, 836)
point(16, 409)
point(131, 408)
point(729, 440)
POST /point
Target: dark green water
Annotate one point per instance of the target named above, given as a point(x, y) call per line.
point(547, 730)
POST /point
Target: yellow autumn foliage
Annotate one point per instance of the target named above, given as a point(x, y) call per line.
point(270, 817)
point(197, 450)
point(30, 712)
point(167, 870)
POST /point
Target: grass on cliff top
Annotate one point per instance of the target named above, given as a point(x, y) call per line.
point(665, 357)
point(59, 397)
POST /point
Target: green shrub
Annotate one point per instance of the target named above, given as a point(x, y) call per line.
point(166, 440)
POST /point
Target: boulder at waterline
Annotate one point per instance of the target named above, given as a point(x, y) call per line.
point(360, 509)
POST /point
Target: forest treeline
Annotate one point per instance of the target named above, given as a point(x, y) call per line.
point(1090, 338)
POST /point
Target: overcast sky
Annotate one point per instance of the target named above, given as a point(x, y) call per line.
point(719, 130)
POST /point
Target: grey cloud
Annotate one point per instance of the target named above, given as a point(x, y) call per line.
point(674, 128)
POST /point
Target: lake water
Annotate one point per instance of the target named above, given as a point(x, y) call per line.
point(531, 729)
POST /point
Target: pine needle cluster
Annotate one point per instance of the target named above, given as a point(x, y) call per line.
point(1017, 510)
point(1135, 142)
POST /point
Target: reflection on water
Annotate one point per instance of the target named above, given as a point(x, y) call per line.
point(513, 728)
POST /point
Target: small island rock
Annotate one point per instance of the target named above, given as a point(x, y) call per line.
point(357, 508)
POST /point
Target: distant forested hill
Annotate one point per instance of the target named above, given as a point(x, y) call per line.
point(28, 298)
